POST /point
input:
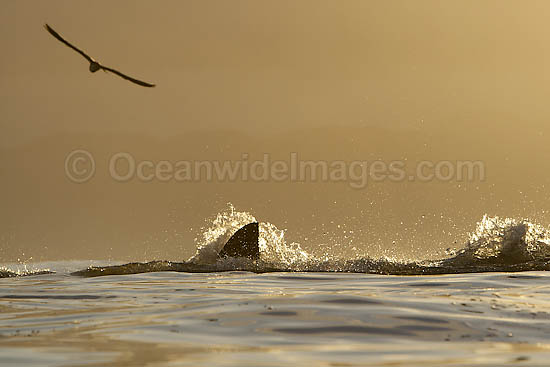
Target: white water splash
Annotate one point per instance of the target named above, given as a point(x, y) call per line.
point(220, 231)
point(272, 244)
point(496, 243)
point(495, 236)
point(274, 249)
point(10, 270)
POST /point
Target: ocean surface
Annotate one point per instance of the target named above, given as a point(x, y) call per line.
point(486, 304)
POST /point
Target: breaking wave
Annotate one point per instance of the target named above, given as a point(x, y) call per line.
point(496, 245)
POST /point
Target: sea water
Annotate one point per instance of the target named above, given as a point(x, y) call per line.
point(486, 304)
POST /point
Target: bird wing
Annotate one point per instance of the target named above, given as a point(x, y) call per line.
point(139, 82)
point(56, 35)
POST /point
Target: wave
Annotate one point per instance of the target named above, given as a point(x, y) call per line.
point(506, 245)
point(10, 273)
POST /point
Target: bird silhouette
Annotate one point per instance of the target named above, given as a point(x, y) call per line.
point(94, 65)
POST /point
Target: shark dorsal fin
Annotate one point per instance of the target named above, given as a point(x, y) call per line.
point(244, 243)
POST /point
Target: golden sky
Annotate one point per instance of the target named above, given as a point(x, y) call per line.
point(273, 65)
point(423, 79)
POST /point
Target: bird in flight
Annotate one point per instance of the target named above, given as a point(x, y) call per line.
point(94, 65)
